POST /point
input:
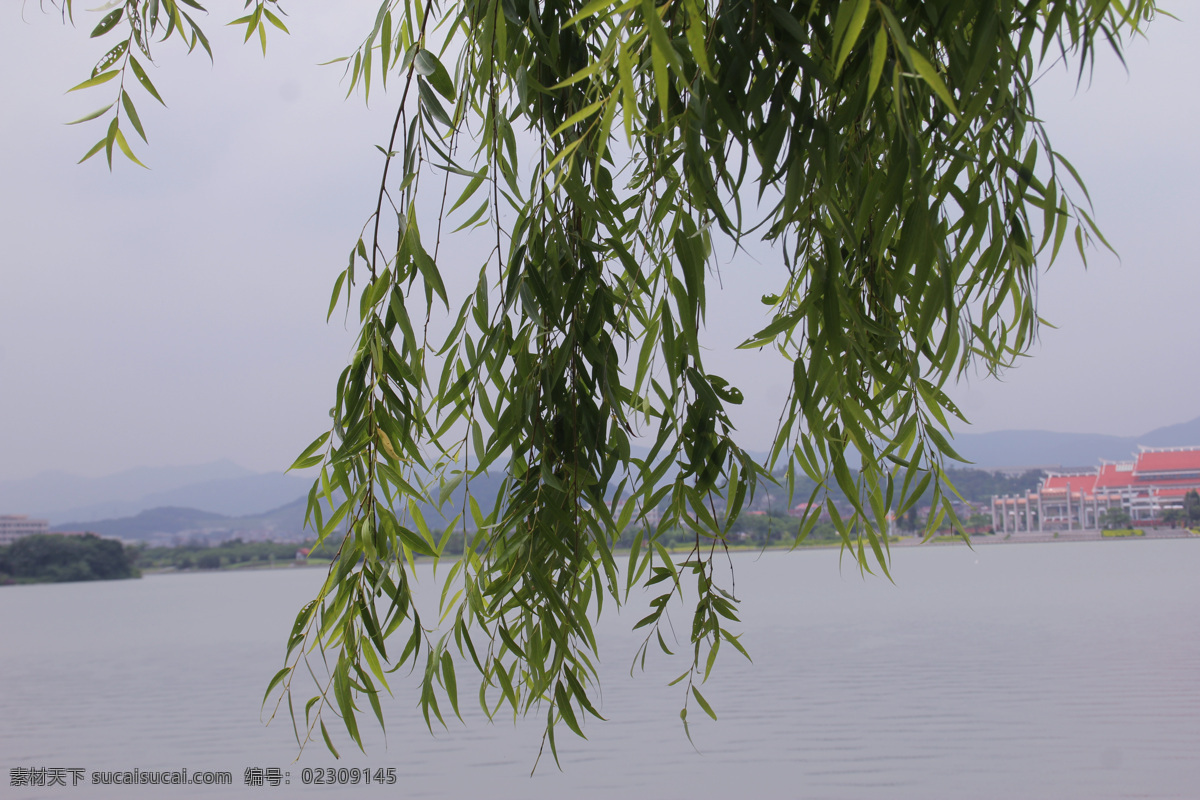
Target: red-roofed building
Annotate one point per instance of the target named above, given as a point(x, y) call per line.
point(1114, 476)
point(1175, 463)
point(1075, 482)
point(1156, 480)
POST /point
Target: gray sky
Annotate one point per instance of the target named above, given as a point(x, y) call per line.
point(176, 315)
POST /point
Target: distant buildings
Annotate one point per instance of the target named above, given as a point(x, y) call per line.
point(14, 526)
point(1153, 482)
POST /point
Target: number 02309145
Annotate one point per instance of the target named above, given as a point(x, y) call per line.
point(344, 775)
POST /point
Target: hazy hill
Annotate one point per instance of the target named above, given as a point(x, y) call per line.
point(224, 496)
point(1185, 433)
point(168, 524)
point(148, 523)
point(229, 497)
point(222, 488)
point(54, 493)
point(282, 523)
point(1048, 449)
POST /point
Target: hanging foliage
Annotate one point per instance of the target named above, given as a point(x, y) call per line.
point(890, 152)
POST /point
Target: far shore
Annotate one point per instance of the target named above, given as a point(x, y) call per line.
point(944, 538)
point(1090, 535)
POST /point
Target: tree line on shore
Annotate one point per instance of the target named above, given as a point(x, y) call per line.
point(55, 558)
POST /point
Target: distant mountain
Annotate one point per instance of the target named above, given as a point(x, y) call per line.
point(250, 494)
point(148, 523)
point(1011, 449)
point(167, 525)
point(1183, 434)
point(221, 487)
point(50, 494)
point(208, 496)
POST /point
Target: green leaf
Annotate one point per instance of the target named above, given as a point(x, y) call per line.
point(563, 703)
point(467, 193)
point(111, 57)
point(108, 23)
point(93, 115)
point(144, 79)
point(96, 80)
point(110, 139)
point(926, 71)
point(696, 36)
point(328, 741)
point(703, 703)
point(851, 16)
point(450, 683)
point(131, 112)
point(578, 116)
point(432, 70)
point(124, 146)
point(337, 293)
point(430, 103)
point(429, 271)
point(583, 74)
point(591, 9)
point(279, 676)
point(96, 148)
point(274, 20)
point(878, 59)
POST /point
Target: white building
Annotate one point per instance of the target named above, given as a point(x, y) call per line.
point(14, 526)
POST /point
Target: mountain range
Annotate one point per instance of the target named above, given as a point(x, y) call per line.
point(225, 499)
point(1022, 448)
point(219, 487)
point(170, 525)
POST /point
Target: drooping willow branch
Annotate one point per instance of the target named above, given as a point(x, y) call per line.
point(893, 158)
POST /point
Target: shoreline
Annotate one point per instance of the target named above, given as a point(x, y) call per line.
point(1023, 537)
point(1047, 537)
point(906, 542)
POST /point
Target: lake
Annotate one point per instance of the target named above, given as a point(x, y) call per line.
point(1010, 671)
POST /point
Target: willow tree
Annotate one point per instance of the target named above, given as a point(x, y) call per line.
point(888, 150)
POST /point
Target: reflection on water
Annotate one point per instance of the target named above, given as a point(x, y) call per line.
point(1011, 671)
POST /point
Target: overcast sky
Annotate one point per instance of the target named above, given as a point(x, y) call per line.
point(177, 315)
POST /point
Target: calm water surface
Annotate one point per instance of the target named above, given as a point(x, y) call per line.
point(1011, 671)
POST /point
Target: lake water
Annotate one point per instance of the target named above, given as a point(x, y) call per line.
point(1010, 671)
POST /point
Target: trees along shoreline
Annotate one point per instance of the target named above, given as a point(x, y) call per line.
point(62, 558)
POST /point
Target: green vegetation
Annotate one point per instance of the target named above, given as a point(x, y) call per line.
point(1191, 507)
point(1115, 519)
point(979, 486)
point(979, 523)
point(952, 538)
point(976, 487)
point(889, 153)
point(54, 558)
point(233, 554)
point(755, 530)
point(1174, 516)
point(1120, 534)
